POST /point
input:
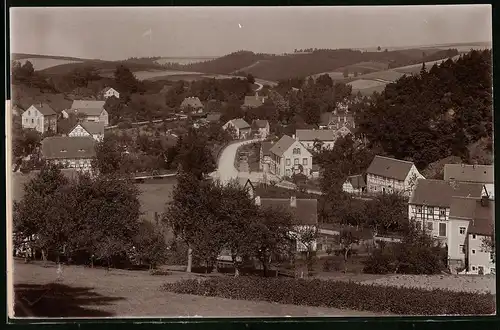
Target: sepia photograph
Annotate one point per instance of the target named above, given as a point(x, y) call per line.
point(236, 162)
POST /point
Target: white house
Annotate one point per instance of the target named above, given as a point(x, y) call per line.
point(40, 117)
point(430, 203)
point(288, 157)
point(71, 152)
point(471, 223)
point(472, 173)
point(389, 175)
point(109, 92)
point(88, 128)
point(89, 110)
point(304, 213)
point(336, 120)
point(354, 184)
point(261, 128)
point(310, 137)
point(241, 128)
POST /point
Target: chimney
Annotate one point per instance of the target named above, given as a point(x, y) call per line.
point(293, 136)
point(257, 200)
point(293, 201)
point(40, 104)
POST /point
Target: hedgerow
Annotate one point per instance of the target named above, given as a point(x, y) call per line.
point(343, 295)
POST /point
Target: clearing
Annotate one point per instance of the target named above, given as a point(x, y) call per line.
point(87, 292)
point(45, 63)
point(363, 84)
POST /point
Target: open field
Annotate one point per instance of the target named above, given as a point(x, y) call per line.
point(364, 84)
point(415, 68)
point(45, 63)
point(183, 60)
point(98, 293)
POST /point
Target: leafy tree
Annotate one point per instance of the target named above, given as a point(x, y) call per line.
point(347, 238)
point(307, 236)
point(378, 48)
point(325, 80)
point(488, 244)
point(125, 80)
point(150, 245)
point(250, 79)
point(109, 155)
point(194, 156)
point(346, 73)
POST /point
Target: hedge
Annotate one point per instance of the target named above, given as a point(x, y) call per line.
point(339, 294)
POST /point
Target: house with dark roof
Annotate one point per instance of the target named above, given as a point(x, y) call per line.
point(472, 173)
point(337, 119)
point(354, 184)
point(240, 128)
point(316, 138)
point(40, 117)
point(110, 92)
point(253, 101)
point(430, 204)
point(390, 175)
point(288, 157)
point(89, 110)
point(472, 222)
point(265, 155)
point(304, 216)
point(192, 104)
point(213, 117)
point(94, 130)
point(261, 128)
point(70, 152)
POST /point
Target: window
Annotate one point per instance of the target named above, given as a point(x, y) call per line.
point(429, 226)
point(304, 161)
point(288, 162)
point(32, 121)
point(461, 230)
point(473, 236)
point(419, 209)
point(492, 270)
point(296, 151)
point(473, 268)
point(442, 212)
point(492, 256)
point(442, 229)
point(430, 210)
point(29, 113)
point(473, 251)
point(461, 249)
point(296, 161)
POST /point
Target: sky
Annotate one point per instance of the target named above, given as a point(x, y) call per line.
point(114, 33)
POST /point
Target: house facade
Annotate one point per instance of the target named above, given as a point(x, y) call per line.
point(94, 130)
point(240, 127)
point(355, 184)
point(40, 117)
point(316, 139)
point(70, 152)
point(430, 204)
point(472, 173)
point(261, 128)
point(390, 175)
point(110, 92)
point(471, 223)
point(288, 157)
point(89, 110)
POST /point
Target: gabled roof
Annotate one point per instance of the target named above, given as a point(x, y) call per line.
point(253, 101)
point(469, 173)
point(88, 111)
point(440, 193)
point(240, 123)
point(481, 216)
point(260, 123)
point(315, 134)
point(65, 147)
point(107, 89)
point(305, 213)
point(389, 168)
point(91, 127)
point(282, 145)
point(44, 109)
point(193, 102)
point(82, 104)
point(266, 148)
point(213, 116)
point(356, 181)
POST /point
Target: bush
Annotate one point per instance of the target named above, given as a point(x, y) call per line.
point(339, 294)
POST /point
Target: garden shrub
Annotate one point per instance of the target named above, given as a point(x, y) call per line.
point(340, 294)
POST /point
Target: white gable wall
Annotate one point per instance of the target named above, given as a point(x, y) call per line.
point(32, 118)
point(290, 161)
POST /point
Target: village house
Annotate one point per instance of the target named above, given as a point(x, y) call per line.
point(336, 120)
point(240, 128)
point(40, 117)
point(261, 128)
point(265, 155)
point(288, 157)
point(355, 184)
point(70, 152)
point(314, 139)
point(304, 213)
point(191, 104)
point(430, 203)
point(87, 128)
point(253, 101)
point(390, 175)
point(471, 224)
point(472, 173)
point(110, 92)
point(89, 110)
point(213, 117)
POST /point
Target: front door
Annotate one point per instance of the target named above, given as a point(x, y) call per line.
point(480, 270)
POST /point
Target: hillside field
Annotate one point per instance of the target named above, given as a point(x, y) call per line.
point(45, 63)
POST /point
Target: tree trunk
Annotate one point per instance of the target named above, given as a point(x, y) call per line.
point(345, 260)
point(190, 260)
point(44, 257)
point(236, 266)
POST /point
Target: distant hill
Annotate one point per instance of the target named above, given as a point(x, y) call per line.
point(21, 56)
